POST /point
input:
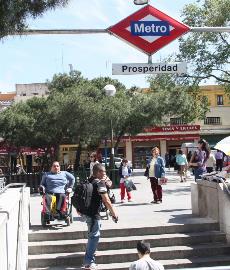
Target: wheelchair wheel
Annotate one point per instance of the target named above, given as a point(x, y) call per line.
point(71, 218)
point(67, 221)
point(43, 221)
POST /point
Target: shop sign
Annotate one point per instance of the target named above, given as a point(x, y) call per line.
point(155, 68)
point(143, 138)
point(174, 128)
point(30, 151)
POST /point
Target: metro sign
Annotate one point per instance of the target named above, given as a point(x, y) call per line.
point(148, 29)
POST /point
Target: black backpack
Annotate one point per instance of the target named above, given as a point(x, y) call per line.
point(82, 197)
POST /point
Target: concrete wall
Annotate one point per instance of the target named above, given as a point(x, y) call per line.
point(14, 228)
point(209, 199)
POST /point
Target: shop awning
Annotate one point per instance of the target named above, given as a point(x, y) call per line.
point(174, 137)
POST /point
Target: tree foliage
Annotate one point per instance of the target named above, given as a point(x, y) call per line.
point(14, 13)
point(207, 52)
point(78, 111)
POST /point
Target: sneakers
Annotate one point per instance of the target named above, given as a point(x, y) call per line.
point(130, 200)
point(153, 201)
point(122, 201)
point(92, 266)
point(156, 202)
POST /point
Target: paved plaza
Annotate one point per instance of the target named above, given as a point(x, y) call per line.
point(175, 209)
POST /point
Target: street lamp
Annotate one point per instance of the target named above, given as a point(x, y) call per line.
point(141, 2)
point(110, 91)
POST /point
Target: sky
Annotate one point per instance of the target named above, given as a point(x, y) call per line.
point(36, 58)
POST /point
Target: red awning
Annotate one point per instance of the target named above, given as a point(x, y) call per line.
point(147, 138)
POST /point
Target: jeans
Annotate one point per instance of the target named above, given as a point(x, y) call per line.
point(198, 172)
point(94, 226)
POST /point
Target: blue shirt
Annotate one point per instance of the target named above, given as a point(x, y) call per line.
point(57, 182)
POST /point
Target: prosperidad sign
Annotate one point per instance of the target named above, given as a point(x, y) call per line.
point(132, 69)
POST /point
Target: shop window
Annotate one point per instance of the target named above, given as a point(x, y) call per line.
point(212, 121)
point(220, 100)
point(177, 121)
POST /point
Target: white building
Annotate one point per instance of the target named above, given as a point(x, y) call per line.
point(26, 91)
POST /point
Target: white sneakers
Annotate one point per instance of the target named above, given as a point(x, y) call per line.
point(123, 201)
point(92, 266)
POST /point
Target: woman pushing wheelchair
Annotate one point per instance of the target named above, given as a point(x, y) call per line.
point(55, 185)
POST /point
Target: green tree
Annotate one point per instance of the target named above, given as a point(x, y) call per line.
point(207, 52)
point(13, 14)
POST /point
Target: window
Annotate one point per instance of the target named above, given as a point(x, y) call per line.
point(212, 121)
point(35, 94)
point(220, 100)
point(177, 121)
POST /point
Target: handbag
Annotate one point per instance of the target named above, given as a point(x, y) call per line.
point(163, 181)
point(129, 185)
point(146, 173)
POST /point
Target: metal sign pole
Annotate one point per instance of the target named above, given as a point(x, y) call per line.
point(103, 31)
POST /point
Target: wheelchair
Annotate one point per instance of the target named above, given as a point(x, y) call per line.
point(53, 214)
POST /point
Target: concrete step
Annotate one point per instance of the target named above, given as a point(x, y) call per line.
point(129, 255)
point(205, 263)
point(49, 234)
point(114, 243)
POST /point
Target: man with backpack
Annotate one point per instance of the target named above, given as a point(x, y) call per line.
point(87, 200)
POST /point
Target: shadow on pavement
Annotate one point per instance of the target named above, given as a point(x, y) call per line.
point(132, 204)
point(171, 210)
point(180, 191)
point(53, 227)
point(180, 219)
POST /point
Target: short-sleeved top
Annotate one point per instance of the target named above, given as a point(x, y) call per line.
point(200, 158)
point(146, 264)
point(181, 159)
point(99, 188)
point(57, 182)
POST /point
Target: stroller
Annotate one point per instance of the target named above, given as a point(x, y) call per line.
point(47, 216)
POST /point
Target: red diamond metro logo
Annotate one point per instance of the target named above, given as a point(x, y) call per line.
point(148, 29)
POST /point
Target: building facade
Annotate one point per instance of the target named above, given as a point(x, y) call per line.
point(26, 91)
point(6, 100)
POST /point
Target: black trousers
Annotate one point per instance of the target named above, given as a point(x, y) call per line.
point(60, 198)
point(219, 164)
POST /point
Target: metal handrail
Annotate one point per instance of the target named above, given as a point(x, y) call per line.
point(23, 185)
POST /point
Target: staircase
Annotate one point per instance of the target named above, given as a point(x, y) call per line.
point(175, 246)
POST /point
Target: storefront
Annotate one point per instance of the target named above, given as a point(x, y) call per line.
point(167, 139)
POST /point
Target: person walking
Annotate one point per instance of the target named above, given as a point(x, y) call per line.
point(124, 173)
point(211, 163)
point(145, 262)
point(167, 161)
point(92, 218)
point(182, 163)
point(199, 159)
point(93, 161)
point(219, 160)
point(155, 170)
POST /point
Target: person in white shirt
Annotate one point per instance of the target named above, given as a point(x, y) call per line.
point(211, 163)
point(124, 173)
point(145, 262)
point(93, 161)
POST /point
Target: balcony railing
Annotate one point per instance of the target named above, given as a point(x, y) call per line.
point(212, 121)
